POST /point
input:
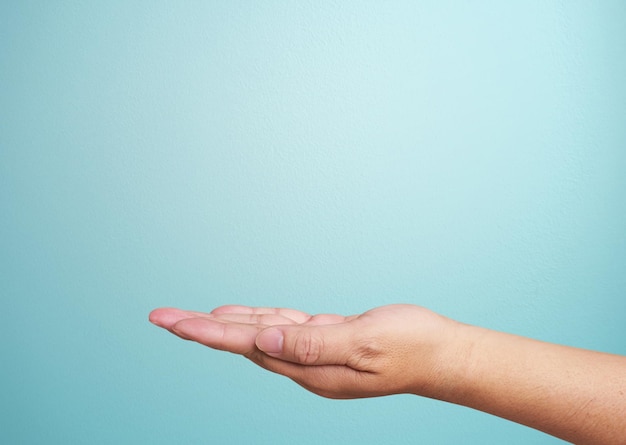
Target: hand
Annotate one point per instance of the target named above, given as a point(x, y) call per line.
point(388, 350)
point(571, 393)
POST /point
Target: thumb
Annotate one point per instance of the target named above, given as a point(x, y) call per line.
point(308, 345)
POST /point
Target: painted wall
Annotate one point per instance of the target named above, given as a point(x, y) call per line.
point(329, 156)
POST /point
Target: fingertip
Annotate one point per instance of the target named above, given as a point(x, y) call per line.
point(270, 341)
point(183, 328)
point(232, 309)
point(157, 316)
point(166, 317)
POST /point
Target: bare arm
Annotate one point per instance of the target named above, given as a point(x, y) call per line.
point(570, 393)
point(575, 394)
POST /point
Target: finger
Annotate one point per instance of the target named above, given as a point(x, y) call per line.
point(309, 345)
point(293, 314)
point(167, 317)
point(233, 337)
point(322, 319)
point(263, 319)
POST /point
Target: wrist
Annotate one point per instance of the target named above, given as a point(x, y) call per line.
point(453, 364)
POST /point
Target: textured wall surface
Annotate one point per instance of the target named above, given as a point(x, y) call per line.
point(331, 156)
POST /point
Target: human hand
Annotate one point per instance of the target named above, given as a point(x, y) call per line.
point(408, 349)
point(388, 350)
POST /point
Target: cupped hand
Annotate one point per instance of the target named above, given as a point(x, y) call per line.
point(388, 350)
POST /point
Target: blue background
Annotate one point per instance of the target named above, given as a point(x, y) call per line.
point(328, 156)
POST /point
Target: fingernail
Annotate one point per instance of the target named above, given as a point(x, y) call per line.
point(270, 341)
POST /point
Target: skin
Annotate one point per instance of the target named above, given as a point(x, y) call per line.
point(574, 394)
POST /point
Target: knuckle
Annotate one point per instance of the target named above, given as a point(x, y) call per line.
point(308, 348)
point(368, 355)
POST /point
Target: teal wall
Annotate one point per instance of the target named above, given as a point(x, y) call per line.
point(330, 156)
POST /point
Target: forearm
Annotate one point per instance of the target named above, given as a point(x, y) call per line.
point(574, 394)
